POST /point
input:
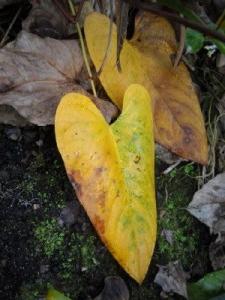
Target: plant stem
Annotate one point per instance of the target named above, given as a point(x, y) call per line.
point(188, 23)
point(10, 27)
point(83, 49)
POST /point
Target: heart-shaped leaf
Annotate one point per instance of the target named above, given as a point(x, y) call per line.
point(146, 59)
point(112, 171)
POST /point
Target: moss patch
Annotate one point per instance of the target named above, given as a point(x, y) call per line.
point(178, 232)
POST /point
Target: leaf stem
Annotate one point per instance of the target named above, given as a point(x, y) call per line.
point(83, 49)
point(10, 27)
point(188, 23)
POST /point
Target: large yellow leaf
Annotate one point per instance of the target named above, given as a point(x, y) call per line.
point(112, 171)
point(146, 60)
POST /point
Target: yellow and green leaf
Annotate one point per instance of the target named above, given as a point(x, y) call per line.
point(55, 295)
point(111, 168)
point(146, 60)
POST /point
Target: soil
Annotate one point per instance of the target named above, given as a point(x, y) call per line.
point(46, 237)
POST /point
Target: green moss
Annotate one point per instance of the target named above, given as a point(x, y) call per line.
point(184, 239)
point(40, 185)
point(79, 249)
point(50, 236)
point(32, 291)
point(177, 190)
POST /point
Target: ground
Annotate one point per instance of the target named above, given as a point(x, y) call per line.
point(40, 245)
point(46, 237)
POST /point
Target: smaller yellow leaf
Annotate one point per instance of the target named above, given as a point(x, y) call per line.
point(112, 171)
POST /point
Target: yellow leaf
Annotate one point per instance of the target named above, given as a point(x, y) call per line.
point(112, 171)
point(146, 59)
point(55, 295)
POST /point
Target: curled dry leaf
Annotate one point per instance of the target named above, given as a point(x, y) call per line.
point(35, 73)
point(208, 204)
point(112, 171)
point(166, 156)
point(46, 20)
point(115, 289)
point(221, 108)
point(172, 279)
point(146, 59)
point(8, 115)
point(217, 253)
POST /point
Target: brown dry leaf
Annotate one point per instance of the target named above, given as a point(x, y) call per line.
point(35, 73)
point(115, 289)
point(217, 253)
point(146, 60)
point(172, 279)
point(8, 115)
point(165, 155)
point(208, 204)
point(46, 20)
point(221, 108)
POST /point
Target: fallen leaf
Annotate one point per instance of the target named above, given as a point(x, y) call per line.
point(112, 171)
point(115, 289)
point(221, 108)
point(194, 40)
point(166, 156)
point(209, 286)
point(168, 235)
point(172, 279)
point(35, 73)
point(9, 115)
point(221, 155)
point(146, 59)
point(55, 295)
point(45, 19)
point(217, 253)
point(208, 204)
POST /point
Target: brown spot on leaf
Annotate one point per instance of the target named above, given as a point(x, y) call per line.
point(187, 140)
point(99, 171)
point(137, 159)
point(188, 130)
point(99, 224)
point(101, 199)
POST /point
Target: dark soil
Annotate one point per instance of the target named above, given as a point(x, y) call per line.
point(45, 235)
point(43, 243)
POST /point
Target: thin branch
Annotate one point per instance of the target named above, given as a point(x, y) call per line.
point(63, 11)
point(180, 49)
point(10, 27)
point(109, 38)
point(188, 23)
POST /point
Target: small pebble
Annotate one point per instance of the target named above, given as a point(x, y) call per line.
point(36, 206)
point(13, 134)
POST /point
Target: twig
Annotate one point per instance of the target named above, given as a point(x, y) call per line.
point(180, 49)
point(64, 12)
point(10, 27)
point(220, 20)
point(170, 168)
point(109, 39)
point(83, 50)
point(188, 23)
point(121, 22)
